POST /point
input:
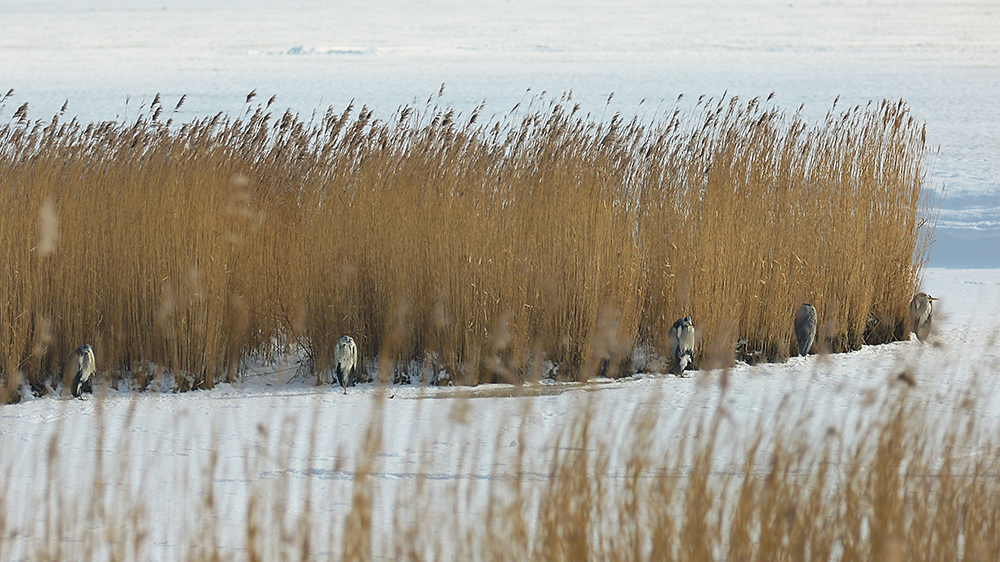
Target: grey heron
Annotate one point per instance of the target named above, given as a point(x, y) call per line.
point(681, 340)
point(79, 369)
point(921, 314)
point(345, 359)
point(805, 328)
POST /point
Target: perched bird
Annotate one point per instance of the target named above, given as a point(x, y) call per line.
point(79, 369)
point(921, 314)
point(805, 328)
point(681, 340)
point(345, 359)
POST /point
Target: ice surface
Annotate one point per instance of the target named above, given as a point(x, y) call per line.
point(109, 58)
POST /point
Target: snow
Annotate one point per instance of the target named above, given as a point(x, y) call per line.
point(109, 58)
point(268, 431)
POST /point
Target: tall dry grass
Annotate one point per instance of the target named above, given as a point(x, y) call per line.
point(911, 485)
point(477, 249)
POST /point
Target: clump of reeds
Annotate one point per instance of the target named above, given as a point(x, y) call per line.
point(495, 249)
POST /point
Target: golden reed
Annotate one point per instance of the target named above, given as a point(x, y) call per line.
point(479, 249)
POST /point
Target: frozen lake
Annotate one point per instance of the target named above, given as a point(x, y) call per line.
point(109, 57)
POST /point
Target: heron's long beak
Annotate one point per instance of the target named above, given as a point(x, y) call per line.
point(933, 299)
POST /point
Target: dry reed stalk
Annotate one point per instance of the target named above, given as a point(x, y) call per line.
point(358, 535)
point(903, 489)
point(482, 251)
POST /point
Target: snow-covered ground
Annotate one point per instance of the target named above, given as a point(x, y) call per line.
point(266, 432)
point(108, 58)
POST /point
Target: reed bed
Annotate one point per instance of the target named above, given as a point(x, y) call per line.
point(455, 248)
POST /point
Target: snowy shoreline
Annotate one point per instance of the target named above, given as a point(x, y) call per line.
point(157, 444)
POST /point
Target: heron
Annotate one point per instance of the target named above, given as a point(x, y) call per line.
point(345, 359)
point(921, 314)
point(681, 340)
point(79, 369)
point(805, 328)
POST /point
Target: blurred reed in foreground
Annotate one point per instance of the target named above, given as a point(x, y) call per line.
point(906, 484)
